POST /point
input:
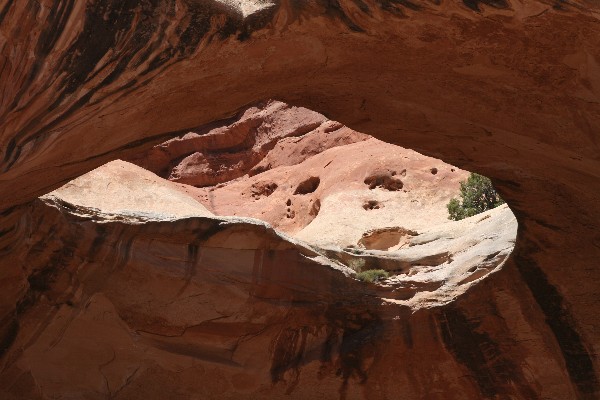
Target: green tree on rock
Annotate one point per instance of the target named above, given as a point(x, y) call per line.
point(477, 194)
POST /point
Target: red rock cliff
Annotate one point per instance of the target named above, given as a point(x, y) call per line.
point(508, 89)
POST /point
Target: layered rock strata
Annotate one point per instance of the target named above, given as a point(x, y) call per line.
point(153, 304)
point(149, 294)
point(494, 87)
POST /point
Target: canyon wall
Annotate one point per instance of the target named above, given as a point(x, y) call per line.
point(508, 89)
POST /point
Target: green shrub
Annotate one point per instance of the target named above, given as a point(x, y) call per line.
point(477, 194)
point(356, 264)
point(372, 275)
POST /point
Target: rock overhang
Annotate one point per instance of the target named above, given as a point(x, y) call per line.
point(535, 136)
point(435, 264)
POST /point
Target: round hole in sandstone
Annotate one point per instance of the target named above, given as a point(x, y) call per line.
point(386, 238)
point(383, 178)
point(262, 189)
point(308, 185)
point(372, 205)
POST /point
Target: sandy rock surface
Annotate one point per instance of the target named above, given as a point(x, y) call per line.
point(327, 198)
point(315, 178)
point(435, 265)
point(208, 157)
point(124, 190)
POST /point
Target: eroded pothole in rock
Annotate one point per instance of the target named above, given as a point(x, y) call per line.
point(391, 238)
point(354, 201)
point(307, 186)
point(385, 179)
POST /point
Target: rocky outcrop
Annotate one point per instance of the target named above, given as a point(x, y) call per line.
point(208, 157)
point(315, 184)
point(494, 87)
point(168, 67)
point(123, 191)
point(437, 265)
point(157, 305)
point(146, 293)
point(124, 308)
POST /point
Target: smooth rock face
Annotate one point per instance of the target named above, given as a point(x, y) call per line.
point(125, 191)
point(494, 87)
point(177, 309)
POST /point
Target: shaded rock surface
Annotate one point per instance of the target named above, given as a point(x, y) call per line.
point(149, 294)
point(493, 87)
point(227, 307)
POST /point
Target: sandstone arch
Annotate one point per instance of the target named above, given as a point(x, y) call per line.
point(510, 90)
